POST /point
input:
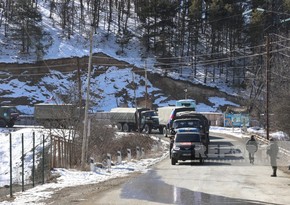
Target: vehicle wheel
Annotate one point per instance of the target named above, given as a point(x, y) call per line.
point(170, 148)
point(126, 127)
point(164, 132)
point(120, 127)
point(160, 130)
point(11, 124)
point(2, 123)
point(173, 161)
point(147, 129)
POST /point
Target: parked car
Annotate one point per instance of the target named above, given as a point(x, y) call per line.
point(8, 116)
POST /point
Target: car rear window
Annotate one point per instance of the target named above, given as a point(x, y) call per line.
point(186, 123)
point(187, 137)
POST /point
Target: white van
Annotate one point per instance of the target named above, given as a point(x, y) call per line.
point(186, 103)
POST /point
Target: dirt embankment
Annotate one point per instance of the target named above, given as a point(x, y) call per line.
point(200, 93)
point(63, 64)
point(170, 87)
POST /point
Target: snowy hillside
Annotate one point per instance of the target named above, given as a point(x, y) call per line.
point(109, 88)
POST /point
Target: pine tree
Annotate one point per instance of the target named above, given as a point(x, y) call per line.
point(25, 28)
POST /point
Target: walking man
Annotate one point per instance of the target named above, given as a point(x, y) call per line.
point(272, 151)
point(252, 147)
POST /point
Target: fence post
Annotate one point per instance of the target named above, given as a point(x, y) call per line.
point(22, 159)
point(142, 152)
point(109, 161)
point(10, 147)
point(129, 154)
point(43, 159)
point(54, 151)
point(119, 157)
point(70, 153)
point(33, 160)
point(65, 153)
point(58, 145)
point(51, 151)
point(137, 152)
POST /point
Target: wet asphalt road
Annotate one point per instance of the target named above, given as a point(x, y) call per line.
point(226, 177)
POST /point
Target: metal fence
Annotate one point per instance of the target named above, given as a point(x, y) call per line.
point(26, 159)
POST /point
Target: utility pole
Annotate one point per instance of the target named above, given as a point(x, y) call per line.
point(146, 91)
point(85, 132)
point(268, 78)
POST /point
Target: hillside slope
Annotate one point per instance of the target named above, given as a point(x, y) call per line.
point(118, 75)
point(111, 86)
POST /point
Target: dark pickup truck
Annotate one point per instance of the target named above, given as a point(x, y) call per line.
point(8, 116)
point(187, 146)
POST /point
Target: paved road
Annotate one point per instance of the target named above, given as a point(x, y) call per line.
point(226, 177)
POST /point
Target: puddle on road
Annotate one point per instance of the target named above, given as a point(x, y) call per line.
point(152, 189)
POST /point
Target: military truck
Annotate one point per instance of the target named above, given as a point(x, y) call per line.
point(8, 116)
point(167, 116)
point(57, 115)
point(193, 120)
point(164, 114)
point(135, 119)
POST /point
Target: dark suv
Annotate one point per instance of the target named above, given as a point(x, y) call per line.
point(187, 146)
point(8, 116)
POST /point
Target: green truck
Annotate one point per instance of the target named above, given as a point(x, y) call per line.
point(8, 116)
point(135, 119)
point(57, 115)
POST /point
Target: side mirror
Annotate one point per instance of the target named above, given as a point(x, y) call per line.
point(172, 131)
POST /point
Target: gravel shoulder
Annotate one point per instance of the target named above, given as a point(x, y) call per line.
point(78, 194)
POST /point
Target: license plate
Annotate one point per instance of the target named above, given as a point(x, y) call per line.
point(186, 154)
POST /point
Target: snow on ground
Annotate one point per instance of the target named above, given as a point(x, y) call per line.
point(68, 177)
point(78, 45)
point(106, 84)
point(72, 177)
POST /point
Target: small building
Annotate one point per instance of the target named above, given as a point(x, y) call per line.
point(236, 117)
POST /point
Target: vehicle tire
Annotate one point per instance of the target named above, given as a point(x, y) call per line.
point(160, 130)
point(11, 124)
point(126, 128)
point(173, 161)
point(120, 127)
point(164, 132)
point(170, 148)
point(147, 129)
point(2, 123)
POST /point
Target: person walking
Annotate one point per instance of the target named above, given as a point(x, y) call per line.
point(252, 147)
point(272, 151)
